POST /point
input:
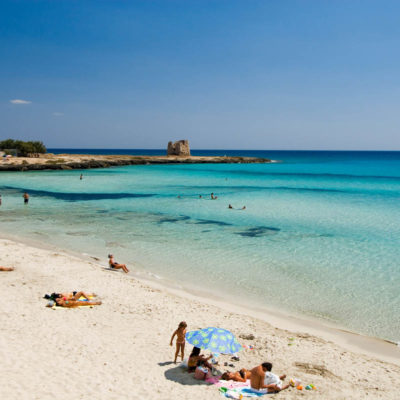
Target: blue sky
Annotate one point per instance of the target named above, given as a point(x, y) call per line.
point(310, 74)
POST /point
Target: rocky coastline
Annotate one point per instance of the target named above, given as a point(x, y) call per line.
point(85, 161)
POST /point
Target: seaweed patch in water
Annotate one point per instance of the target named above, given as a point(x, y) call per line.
point(173, 219)
point(258, 231)
point(211, 222)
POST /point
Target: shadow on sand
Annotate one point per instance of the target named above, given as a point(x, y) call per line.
point(180, 375)
point(163, 364)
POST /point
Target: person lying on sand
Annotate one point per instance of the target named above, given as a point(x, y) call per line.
point(263, 380)
point(69, 296)
point(71, 299)
point(115, 265)
point(238, 376)
point(195, 358)
point(6, 269)
point(62, 302)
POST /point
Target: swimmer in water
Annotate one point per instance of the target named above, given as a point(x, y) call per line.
point(26, 198)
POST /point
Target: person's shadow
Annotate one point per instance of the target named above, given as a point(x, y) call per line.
point(180, 375)
point(163, 364)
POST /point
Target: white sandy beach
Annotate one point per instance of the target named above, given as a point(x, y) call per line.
point(120, 350)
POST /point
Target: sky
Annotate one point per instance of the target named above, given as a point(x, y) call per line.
point(224, 74)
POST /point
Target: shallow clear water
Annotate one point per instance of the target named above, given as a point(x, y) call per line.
point(320, 234)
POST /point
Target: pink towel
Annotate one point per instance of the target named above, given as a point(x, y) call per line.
point(213, 380)
point(233, 384)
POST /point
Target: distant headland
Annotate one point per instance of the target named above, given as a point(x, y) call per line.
point(177, 153)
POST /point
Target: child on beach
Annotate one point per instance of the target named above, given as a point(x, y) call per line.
point(180, 340)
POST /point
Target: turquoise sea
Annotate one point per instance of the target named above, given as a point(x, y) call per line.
point(320, 235)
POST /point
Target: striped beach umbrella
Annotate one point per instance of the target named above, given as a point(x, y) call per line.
point(217, 340)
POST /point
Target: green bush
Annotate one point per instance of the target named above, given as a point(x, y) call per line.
point(24, 148)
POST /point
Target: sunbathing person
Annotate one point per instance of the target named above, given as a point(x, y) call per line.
point(69, 296)
point(196, 358)
point(71, 299)
point(115, 265)
point(62, 302)
point(6, 269)
point(238, 376)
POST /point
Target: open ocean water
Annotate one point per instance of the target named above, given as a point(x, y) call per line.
point(320, 235)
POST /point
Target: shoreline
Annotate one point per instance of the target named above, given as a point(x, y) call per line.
point(49, 161)
point(384, 349)
point(122, 347)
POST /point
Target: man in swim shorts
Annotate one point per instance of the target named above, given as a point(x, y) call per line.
point(26, 198)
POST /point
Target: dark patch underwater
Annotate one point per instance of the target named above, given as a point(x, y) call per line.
point(258, 231)
point(79, 196)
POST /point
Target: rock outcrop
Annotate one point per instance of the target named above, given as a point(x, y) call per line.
point(76, 161)
point(179, 148)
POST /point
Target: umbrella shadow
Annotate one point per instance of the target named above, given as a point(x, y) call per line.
point(180, 375)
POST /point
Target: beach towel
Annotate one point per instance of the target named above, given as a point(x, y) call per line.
point(233, 384)
point(241, 392)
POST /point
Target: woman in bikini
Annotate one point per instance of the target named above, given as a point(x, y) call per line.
point(195, 358)
point(238, 376)
point(115, 265)
point(72, 299)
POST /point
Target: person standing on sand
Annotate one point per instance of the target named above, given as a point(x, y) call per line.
point(26, 198)
point(180, 340)
point(262, 380)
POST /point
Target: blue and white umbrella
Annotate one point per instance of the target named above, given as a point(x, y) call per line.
point(214, 339)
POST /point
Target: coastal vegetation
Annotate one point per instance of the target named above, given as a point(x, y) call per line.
point(21, 148)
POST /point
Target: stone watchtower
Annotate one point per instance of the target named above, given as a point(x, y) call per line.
point(179, 148)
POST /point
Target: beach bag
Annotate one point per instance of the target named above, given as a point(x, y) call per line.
point(201, 373)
